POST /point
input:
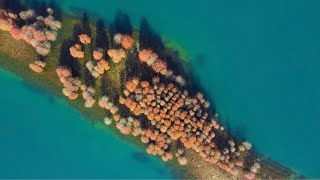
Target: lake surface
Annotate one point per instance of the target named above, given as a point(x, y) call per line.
point(41, 137)
point(259, 61)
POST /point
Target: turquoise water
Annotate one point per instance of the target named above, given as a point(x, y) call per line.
point(41, 137)
point(259, 60)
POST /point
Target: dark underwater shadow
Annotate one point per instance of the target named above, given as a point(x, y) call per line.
point(37, 90)
point(145, 158)
point(102, 39)
point(15, 6)
point(122, 23)
point(141, 157)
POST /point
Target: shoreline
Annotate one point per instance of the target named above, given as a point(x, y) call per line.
point(75, 12)
point(93, 113)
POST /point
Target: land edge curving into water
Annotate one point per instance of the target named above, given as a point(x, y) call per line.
point(16, 56)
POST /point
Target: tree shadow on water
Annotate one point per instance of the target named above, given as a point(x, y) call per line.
point(85, 24)
point(238, 132)
point(41, 8)
point(149, 39)
point(57, 9)
point(102, 40)
point(122, 23)
point(15, 6)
